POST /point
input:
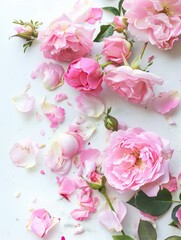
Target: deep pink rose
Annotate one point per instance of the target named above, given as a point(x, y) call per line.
point(136, 159)
point(84, 74)
point(64, 40)
point(134, 85)
point(115, 48)
point(157, 22)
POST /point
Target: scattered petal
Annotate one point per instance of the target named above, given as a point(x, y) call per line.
point(78, 229)
point(90, 105)
point(17, 194)
point(42, 172)
point(24, 102)
point(54, 113)
point(24, 153)
point(83, 127)
point(165, 102)
point(60, 97)
point(51, 73)
point(179, 179)
point(66, 186)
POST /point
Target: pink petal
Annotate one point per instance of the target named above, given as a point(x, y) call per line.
point(60, 97)
point(80, 214)
point(90, 105)
point(66, 186)
point(179, 179)
point(165, 102)
point(24, 153)
point(24, 102)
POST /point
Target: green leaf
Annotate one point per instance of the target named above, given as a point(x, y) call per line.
point(120, 8)
point(146, 231)
point(112, 10)
point(173, 224)
point(105, 31)
point(174, 211)
point(156, 206)
point(180, 196)
point(173, 238)
point(122, 237)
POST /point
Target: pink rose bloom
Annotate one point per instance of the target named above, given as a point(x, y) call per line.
point(41, 222)
point(120, 23)
point(115, 48)
point(84, 74)
point(133, 85)
point(136, 160)
point(157, 22)
point(64, 40)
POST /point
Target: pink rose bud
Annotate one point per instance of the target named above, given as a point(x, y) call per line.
point(116, 48)
point(120, 23)
point(96, 181)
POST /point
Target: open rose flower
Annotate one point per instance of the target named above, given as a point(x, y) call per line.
point(115, 48)
point(84, 74)
point(61, 152)
point(133, 85)
point(64, 40)
point(136, 159)
point(41, 222)
point(157, 22)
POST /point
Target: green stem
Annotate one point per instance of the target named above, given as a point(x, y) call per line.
point(123, 232)
point(103, 191)
point(143, 50)
point(175, 201)
point(106, 64)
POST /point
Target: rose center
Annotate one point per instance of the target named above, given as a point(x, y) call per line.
point(166, 10)
point(138, 161)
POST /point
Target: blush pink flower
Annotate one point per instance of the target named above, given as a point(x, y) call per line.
point(136, 159)
point(84, 74)
point(62, 150)
point(115, 48)
point(133, 85)
point(64, 40)
point(157, 22)
point(51, 73)
point(41, 222)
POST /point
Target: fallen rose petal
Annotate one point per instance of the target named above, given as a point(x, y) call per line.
point(78, 229)
point(51, 73)
point(54, 113)
point(171, 186)
point(80, 214)
point(41, 222)
point(90, 105)
point(112, 220)
point(24, 153)
point(66, 186)
point(83, 127)
point(60, 97)
point(24, 102)
point(179, 179)
point(165, 102)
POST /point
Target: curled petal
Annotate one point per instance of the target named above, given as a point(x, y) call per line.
point(90, 105)
point(66, 186)
point(60, 97)
point(80, 214)
point(51, 73)
point(165, 102)
point(24, 153)
point(54, 113)
point(24, 102)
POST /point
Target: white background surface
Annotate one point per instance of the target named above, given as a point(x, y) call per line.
point(16, 68)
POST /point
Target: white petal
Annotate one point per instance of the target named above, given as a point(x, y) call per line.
point(24, 102)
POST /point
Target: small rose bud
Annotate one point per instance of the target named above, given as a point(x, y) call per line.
point(96, 181)
point(120, 23)
point(111, 123)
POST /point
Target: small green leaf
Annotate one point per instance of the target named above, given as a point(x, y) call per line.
point(173, 238)
point(146, 231)
point(112, 10)
point(105, 31)
point(174, 211)
point(180, 196)
point(120, 8)
point(173, 224)
point(122, 237)
point(156, 206)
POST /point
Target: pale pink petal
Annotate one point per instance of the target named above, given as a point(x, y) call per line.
point(90, 105)
point(80, 214)
point(60, 97)
point(66, 186)
point(54, 113)
point(83, 127)
point(165, 102)
point(146, 216)
point(24, 153)
point(179, 179)
point(171, 185)
point(51, 73)
point(24, 102)
point(94, 15)
point(112, 220)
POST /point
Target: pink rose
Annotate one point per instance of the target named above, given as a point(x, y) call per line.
point(136, 159)
point(41, 222)
point(61, 152)
point(84, 74)
point(115, 48)
point(158, 22)
point(133, 85)
point(64, 40)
